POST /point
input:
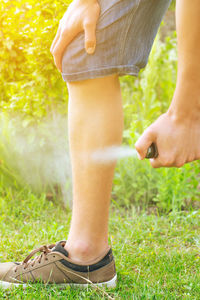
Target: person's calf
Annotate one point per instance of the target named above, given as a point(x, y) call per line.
point(95, 122)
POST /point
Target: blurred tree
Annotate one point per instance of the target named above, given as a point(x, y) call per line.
point(29, 80)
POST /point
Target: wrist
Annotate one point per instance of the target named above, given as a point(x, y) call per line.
point(189, 76)
point(182, 116)
point(186, 101)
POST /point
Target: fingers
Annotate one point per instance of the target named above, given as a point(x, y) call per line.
point(170, 159)
point(63, 39)
point(77, 19)
point(60, 44)
point(55, 40)
point(144, 142)
point(90, 37)
point(90, 30)
point(158, 163)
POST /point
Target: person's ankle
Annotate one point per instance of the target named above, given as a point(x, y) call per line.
point(85, 252)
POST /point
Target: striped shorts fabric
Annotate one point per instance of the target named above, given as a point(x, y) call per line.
point(125, 33)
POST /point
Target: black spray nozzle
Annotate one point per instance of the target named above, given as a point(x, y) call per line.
point(152, 151)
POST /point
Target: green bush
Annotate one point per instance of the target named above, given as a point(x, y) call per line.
point(30, 83)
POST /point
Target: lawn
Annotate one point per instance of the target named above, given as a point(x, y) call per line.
point(157, 257)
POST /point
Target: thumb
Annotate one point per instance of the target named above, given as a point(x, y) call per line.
point(144, 142)
point(90, 37)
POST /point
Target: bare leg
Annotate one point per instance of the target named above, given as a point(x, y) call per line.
point(95, 121)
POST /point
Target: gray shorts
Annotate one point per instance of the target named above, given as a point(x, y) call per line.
point(125, 33)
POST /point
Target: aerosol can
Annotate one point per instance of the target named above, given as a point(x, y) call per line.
point(152, 151)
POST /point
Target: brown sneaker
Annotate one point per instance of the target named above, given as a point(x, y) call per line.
point(54, 266)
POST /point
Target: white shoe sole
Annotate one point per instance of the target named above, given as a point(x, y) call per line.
point(109, 284)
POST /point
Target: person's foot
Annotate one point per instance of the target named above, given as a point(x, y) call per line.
point(54, 266)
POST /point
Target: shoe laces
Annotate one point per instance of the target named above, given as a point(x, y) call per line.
point(45, 250)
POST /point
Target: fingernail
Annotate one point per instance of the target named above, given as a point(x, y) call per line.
point(90, 50)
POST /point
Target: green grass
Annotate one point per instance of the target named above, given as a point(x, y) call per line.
point(157, 257)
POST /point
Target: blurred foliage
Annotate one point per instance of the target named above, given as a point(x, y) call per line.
point(173, 4)
point(30, 83)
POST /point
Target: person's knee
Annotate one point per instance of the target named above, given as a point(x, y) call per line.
point(94, 90)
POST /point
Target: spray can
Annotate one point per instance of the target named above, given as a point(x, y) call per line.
point(152, 151)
